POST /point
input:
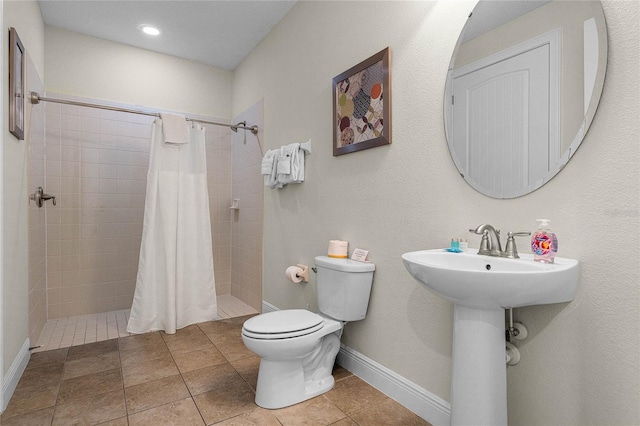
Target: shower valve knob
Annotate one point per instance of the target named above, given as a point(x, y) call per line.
point(40, 197)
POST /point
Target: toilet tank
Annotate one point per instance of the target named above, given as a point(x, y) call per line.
point(344, 287)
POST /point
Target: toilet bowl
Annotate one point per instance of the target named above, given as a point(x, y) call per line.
point(297, 347)
point(297, 352)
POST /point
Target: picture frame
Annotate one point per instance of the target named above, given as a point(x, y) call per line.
point(16, 84)
point(362, 105)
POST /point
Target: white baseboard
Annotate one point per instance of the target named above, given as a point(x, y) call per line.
point(14, 373)
point(430, 407)
point(268, 307)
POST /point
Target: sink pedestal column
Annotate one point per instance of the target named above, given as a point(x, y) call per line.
point(479, 373)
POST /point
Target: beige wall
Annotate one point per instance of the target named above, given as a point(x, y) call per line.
point(25, 17)
point(112, 71)
point(579, 366)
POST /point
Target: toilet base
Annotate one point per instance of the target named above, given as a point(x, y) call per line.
point(281, 384)
point(287, 382)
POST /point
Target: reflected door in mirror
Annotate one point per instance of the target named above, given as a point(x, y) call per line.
point(516, 150)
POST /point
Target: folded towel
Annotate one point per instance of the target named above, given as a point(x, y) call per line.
point(305, 148)
point(174, 128)
point(267, 162)
point(287, 163)
point(268, 168)
point(284, 163)
point(290, 165)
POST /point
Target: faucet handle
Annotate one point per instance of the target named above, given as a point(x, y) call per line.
point(485, 247)
point(510, 250)
point(484, 244)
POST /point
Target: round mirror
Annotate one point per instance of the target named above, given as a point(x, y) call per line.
point(523, 86)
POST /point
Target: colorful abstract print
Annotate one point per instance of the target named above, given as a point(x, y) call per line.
point(359, 106)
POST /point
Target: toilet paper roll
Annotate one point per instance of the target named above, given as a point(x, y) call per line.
point(294, 274)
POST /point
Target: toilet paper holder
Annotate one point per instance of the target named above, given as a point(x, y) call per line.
point(304, 274)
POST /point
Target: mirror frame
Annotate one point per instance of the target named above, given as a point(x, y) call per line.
point(582, 130)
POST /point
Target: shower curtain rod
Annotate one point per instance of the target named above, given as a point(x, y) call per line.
point(36, 99)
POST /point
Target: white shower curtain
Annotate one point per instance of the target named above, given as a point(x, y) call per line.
point(175, 285)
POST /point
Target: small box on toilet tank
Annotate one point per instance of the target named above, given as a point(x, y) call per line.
point(344, 296)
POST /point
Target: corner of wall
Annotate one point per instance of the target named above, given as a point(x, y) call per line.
point(26, 18)
point(2, 90)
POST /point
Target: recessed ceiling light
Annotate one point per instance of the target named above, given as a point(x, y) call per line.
point(148, 29)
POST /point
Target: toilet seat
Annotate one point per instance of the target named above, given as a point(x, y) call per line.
point(283, 324)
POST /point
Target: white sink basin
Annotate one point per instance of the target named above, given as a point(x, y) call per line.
point(481, 287)
point(486, 282)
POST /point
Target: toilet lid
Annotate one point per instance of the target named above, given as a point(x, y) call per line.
point(291, 322)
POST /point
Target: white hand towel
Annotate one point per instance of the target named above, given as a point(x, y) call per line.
point(305, 148)
point(284, 164)
point(268, 168)
point(287, 161)
point(267, 162)
point(174, 128)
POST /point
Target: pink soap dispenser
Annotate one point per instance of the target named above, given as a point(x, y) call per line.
point(544, 243)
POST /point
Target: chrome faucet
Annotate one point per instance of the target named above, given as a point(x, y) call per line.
point(490, 243)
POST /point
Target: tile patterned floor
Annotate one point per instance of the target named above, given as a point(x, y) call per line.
point(73, 331)
point(202, 375)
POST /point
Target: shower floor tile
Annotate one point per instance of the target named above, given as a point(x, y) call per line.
point(74, 331)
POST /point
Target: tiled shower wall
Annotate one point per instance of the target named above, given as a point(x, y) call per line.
point(246, 265)
point(96, 165)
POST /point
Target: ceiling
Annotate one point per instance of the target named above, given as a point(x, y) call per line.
point(214, 32)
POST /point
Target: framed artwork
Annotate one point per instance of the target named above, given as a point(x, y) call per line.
point(16, 85)
point(362, 105)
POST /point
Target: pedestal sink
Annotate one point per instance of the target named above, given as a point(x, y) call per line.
point(482, 287)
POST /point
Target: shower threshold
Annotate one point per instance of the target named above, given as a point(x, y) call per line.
point(73, 331)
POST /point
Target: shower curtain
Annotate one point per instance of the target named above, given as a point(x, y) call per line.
point(175, 285)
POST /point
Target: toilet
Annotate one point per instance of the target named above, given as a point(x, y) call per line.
point(298, 347)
